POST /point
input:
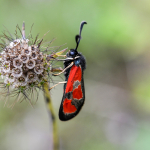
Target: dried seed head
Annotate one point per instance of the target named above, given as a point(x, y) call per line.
point(23, 64)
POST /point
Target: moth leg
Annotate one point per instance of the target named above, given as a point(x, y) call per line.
point(62, 56)
point(76, 57)
point(64, 69)
point(57, 84)
point(65, 59)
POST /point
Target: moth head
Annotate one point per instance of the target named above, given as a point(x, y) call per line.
point(73, 53)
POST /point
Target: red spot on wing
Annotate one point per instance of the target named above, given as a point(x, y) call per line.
point(78, 74)
point(68, 107)
point(74, 75)
point(77, 93)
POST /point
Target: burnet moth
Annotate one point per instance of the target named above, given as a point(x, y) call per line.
point(74, 92)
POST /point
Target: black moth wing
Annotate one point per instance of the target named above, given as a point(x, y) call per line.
point(77, 104)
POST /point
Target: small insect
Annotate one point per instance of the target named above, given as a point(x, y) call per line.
point(74, 92)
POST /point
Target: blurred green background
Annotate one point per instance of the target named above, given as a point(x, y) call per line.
point(116, 44)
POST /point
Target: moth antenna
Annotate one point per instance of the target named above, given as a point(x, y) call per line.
point(78, 37)
point(23, 31)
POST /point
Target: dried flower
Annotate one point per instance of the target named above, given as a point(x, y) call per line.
point(24, 65)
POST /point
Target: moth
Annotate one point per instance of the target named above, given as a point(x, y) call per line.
point(74, 92)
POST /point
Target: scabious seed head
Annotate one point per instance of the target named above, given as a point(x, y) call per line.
point(23, 64)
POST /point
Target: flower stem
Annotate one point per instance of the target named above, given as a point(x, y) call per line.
point(50, 107)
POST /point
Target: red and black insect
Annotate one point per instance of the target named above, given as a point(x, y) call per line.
point(74, 92)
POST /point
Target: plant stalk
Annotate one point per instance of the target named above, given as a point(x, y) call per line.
point(52, 114)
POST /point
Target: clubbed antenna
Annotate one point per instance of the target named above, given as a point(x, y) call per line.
point(23, 31)
point(78, 37)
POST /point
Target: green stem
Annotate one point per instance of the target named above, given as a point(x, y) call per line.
point(50, 107)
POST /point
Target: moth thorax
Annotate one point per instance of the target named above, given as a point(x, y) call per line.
point(77, 61)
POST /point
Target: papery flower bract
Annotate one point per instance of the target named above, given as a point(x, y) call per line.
point(26, 51)
point(38, 69)
point(22, 80)
point(31, 77)
point(24, 58)
point(16, 72)
point(33, 55)
point(30, 64)
point(11, 78)
point(17, 63)
point(6, 67)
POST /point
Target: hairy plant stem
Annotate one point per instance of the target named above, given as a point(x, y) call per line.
point(52, 114)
